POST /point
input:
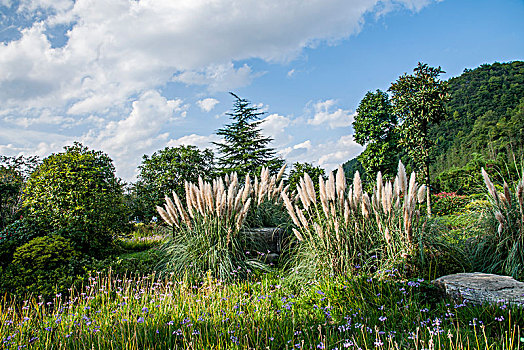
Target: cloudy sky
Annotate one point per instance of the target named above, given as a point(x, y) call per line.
point(130, 77)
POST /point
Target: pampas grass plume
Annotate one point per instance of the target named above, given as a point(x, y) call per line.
point(403, 180)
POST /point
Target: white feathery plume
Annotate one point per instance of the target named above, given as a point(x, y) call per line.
point(387, 197)
point(200, 183)
point(302, 218)
point(246, 192)
point(318, 230)
point(520, 192)
point(281, 172)
point(346, 212)
point(366, 205)
point(379, 186)
point(403, 179)
point(396, 188)
point(289, 207)
point(303, 196)
point(507, 195)
point(341, 180)
point(171, 211)
point(357, 187)
point(421, 194)
point(164, 215)
point(330, 187)
point(238, 202)
point(255, 186)
point(181, 210)
point(310, 188)
point(491, 189)
point(322, 189)
point(412, 186)
point(297, 234)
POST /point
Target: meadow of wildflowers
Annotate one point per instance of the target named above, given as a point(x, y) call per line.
point(112, 312)
point(357, 299)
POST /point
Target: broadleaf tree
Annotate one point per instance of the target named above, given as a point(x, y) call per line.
point(375, 127)
point(14, 172)
point(245, 149)
point(76, 194)
point(419, 102)
point(297, 172)
point(166, 171)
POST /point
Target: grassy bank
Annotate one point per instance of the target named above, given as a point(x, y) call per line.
point(264, 313)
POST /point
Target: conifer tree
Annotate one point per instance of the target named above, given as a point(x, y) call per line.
point(245, 149)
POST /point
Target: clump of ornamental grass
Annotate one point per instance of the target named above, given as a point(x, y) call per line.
point(209, 232)
point(501, 248)
point(344, 229)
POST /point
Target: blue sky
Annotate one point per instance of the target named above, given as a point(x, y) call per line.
point(131, 77)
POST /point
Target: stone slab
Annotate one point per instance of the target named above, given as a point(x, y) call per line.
point(479, 288)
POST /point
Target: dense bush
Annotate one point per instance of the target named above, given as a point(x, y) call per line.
point(14, 172)
point(445, 203)
point(77, 193)
point(14, 235)
point(43, 266)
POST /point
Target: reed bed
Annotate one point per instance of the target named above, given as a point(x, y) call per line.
point(209, 228)
point(500, 249)
point(341, 229)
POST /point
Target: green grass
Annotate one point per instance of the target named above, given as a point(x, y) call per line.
point(264, 313)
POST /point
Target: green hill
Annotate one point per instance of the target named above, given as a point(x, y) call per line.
point(485, 122)
point(485, 116)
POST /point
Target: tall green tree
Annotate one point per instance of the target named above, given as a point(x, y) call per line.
point(245, 149)
point(165, 171)
point(77, 195)
point(375, 127)
point(14, 172)
point(419, 102)
point(297, 172)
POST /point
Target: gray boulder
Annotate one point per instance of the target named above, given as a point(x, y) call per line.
point(481, 288)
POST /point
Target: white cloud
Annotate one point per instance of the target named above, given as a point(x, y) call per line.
point(199, 141)
point(126, 140)
point(328, 155)
point(325, 115)
point(118, 53)
point(274, 126)
point(116, 49)
point(207, 104)
point(221, 77)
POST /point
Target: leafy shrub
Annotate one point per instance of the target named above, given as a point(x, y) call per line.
point(43, 266)
point(14, 235)
point(447, 203)
point(165, 171)
point(77, 192)
point(43, 253)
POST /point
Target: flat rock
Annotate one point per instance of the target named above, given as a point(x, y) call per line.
point(479, 288)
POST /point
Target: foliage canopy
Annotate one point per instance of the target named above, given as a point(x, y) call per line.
point(77, 193)
point(165, 171)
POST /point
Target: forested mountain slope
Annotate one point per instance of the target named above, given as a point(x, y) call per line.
point(485, 120)
point(485, 116)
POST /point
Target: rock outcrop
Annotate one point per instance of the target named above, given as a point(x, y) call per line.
point(481, 288)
